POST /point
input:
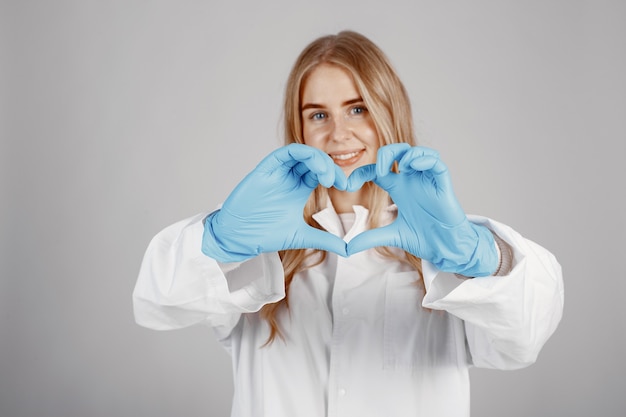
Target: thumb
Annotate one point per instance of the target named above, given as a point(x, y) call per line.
point(382, 236)
point(313, 238)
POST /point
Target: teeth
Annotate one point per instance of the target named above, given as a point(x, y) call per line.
point(345, 156)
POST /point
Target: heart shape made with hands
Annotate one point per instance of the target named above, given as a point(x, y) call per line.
point(264, 212)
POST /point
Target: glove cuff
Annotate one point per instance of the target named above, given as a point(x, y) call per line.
point(472, 254)
point(213, 247)
point(485, 259)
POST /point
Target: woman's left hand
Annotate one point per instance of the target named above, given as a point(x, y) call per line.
point(431, 223)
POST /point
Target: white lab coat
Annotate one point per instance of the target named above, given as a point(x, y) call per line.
point(358, 340)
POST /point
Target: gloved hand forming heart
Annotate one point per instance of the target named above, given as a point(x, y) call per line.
point(431, 223)
point(264, 212)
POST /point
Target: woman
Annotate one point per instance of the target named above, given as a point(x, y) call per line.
point(332, 300)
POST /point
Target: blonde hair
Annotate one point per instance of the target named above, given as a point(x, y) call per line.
point(388, 104)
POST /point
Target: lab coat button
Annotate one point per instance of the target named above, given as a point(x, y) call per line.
point(345, 311)
point(342, 392)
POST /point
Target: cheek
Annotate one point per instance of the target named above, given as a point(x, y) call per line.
point(371, 138)
point(311, 138)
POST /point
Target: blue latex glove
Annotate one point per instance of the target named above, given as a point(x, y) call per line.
point(431, 223)
point(264, 213)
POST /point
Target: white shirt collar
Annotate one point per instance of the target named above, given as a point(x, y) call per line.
point(330, 221)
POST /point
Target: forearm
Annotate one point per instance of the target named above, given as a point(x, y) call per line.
point(179, 286)
point(508, 317)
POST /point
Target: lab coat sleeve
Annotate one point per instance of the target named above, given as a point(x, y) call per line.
point(507, 318)
point(179, 286)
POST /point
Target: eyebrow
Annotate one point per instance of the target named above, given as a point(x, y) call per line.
point(319, 106)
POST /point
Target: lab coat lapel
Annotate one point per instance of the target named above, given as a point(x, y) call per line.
point(330, 221)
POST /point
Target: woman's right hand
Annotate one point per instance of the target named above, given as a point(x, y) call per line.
point(264, 213)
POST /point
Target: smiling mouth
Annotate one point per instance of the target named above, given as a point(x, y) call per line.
point(347, 159)
point(345, 156)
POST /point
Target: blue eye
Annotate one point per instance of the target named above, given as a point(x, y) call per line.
point(318, 116)
point(358, 110)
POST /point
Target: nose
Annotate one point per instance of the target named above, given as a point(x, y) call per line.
point(340, 130)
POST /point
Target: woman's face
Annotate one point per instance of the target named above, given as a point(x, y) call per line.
point(335, 119)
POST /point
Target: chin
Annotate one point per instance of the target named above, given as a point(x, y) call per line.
point(348, 171)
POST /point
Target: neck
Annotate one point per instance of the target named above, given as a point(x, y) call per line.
point(343, 201)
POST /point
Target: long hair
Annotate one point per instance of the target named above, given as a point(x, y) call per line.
point(388, 104)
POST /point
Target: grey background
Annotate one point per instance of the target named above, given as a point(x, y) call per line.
point(121, 117)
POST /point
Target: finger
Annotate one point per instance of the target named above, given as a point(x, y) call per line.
point(419, 159)
point(319, 163)
point(305, 161)
point(433, 165)
point(387, 155)
point(360, 176)
point(280, 158)
point(290, 155)
point(309, 178)
point(312, 180)
point(382, 236)
point(312, 238)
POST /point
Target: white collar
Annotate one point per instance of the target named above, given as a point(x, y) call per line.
point(330, 221)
